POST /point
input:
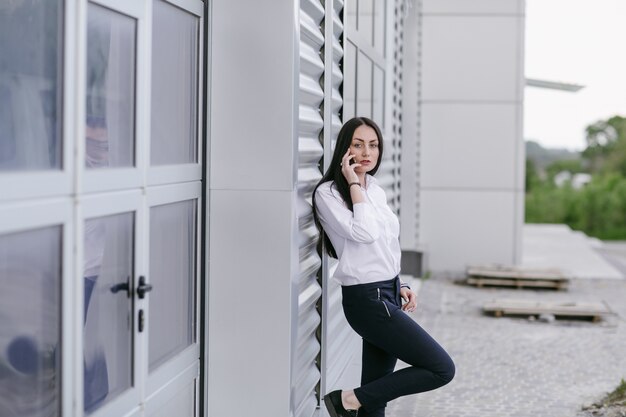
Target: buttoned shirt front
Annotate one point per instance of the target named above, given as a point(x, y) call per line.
point(366, 239)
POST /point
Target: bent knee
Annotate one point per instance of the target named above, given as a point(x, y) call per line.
point(447, 373)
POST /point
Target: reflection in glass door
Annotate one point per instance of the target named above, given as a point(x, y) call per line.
point(30, 85)
point(110, 88)
point(30, 322)
point(108, 308)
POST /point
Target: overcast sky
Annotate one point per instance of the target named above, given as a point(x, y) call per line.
point(580, 42)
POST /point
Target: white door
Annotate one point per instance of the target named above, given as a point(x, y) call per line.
point(100, 207)
point(140, 207)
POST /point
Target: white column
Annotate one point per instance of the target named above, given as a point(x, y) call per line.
point(252, 226)
point(471, 151)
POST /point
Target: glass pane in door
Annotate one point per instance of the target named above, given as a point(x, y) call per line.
point(110, 78)
point(174, 85)
point(30, 322)
point(172, 318)
point(31, 54)
point(108, 308)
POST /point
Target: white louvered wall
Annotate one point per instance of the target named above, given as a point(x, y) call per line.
point(341, 343)
point(322, 39)
point(398, 64)
point(306, 366)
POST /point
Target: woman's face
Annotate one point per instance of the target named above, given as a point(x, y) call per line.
point(364, 147)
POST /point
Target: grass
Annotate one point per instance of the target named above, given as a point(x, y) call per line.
point(618, 395)
point(615, 400)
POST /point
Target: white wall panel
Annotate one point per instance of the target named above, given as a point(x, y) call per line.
point(480, 7)
point(471, 58)
point(469, 145)
point(250, 313)
point(252, 97)
point(471, 141)
point(479, 227)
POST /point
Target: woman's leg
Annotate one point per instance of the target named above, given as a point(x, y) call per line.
point(376, 363)
point(431, 367)
point(373, 311)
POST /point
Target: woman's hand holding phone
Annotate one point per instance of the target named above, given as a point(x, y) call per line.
point(347, 167)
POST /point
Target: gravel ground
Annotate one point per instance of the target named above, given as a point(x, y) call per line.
point(608, 411)
point(515, 366)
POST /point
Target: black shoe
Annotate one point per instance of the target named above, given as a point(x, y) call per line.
point(335, 406)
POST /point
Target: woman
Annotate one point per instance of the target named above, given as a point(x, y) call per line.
point(361, 231)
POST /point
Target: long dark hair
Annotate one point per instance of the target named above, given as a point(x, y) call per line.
point(344, 140)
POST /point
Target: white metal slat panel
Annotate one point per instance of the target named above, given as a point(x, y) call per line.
point(418, 132)
point(337, 77)
point(306, 372)
point(341, 341)
point(399, 63)
point(389, 176)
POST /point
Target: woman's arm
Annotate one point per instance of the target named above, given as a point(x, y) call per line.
point(359, 225)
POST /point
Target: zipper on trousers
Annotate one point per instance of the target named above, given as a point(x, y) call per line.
point(383, 301)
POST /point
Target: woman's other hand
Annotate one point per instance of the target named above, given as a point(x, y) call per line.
point(410, 299)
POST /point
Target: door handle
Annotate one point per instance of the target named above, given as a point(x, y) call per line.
point(143, 288)
point(122, 286)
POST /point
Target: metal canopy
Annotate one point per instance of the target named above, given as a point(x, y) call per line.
point(553, 85)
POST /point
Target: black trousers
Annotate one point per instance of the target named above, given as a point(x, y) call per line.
point(373, 311)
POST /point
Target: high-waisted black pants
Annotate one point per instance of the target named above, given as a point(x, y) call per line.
point(373, 311)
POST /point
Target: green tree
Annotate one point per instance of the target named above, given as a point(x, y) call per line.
point(532, 176)
point(606, 145)
point(599, 208)
point(572, 165)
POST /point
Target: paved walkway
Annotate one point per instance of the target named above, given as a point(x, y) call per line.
point(557, 246)
point(516, 367)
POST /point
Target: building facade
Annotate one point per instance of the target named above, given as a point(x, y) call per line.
point(157, 159)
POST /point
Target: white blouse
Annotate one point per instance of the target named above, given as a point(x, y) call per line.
point(366, 240)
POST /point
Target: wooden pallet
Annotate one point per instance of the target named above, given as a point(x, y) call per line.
point(510, 276)
point(559, 309)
